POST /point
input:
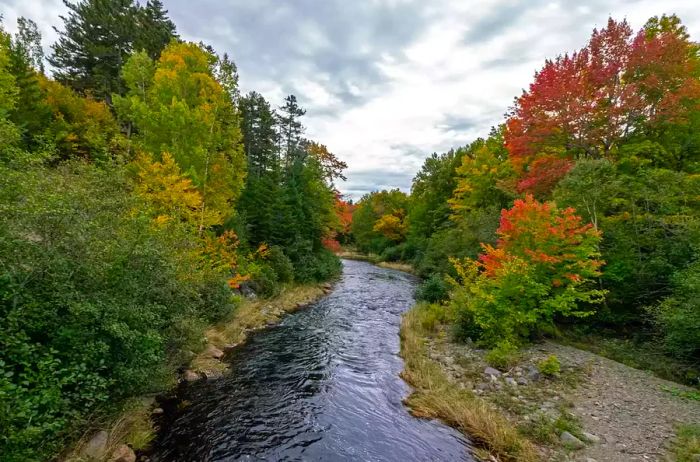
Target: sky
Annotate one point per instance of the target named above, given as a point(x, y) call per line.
point(387, 82)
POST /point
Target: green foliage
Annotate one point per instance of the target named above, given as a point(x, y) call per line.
point(503, 356)
point(549, 366)
point(379, 221)
point(541, 268)
point(686, 445)
point(93, 300)
point(91, 62)
point(433, 290)
point(678, 316)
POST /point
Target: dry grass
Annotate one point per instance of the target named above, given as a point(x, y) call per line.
point(436, 397)
point(405, 267)
point(253, 315)
point(132, 426)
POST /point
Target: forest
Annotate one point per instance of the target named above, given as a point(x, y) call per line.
point(140, 195)
point(578, 215)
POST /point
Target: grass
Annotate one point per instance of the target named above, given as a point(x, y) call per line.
point(436, 397)
point(639, 355)
point(131, 425)
point(686, 445)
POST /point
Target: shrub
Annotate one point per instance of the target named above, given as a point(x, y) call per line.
point(281, 264)
point(542, 266)
point(678, 316)
point(433, 290)
point(503, 356)
point(549, 366)
point(94, 295)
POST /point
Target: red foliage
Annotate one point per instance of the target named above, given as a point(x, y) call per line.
point(543, 174)
point(583, 104)
point(549, 238)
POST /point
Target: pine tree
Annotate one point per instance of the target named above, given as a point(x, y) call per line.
point(259, 128)
point(156, 30)
point(291, 129)
point(98, 38)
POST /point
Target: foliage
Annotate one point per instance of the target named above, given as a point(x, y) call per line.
point(686, 445)
point(180, 109)
point(433, 290)
point(503, 356)
point(92, 300)
point(541, 267)
point(378, 221)
point(678, 316)
point(99, 36)
point(549, 366)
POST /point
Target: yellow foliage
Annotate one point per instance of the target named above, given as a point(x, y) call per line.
point(392, 226)
point(170, 194)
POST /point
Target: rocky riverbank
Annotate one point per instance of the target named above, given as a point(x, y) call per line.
point(591, 409)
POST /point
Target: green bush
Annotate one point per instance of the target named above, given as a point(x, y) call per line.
point(281, 264)
point(549, 366)
point(93, 299)
point(316, 267)
point(678, 316)
point(265, 283)
point(503, 356)
point(433, 290)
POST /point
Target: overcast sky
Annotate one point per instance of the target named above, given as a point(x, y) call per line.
point(387, 82)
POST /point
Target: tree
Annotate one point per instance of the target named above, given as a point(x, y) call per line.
point(184, 111)
point(155, 31)
point(291, 129)
point(260, 137)
point(617, 87)
point(542, 266)
point(98, 38)
point(27, 44)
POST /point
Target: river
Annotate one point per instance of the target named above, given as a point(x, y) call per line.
point(323, 384)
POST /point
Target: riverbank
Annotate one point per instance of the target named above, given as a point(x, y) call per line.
point(376, 260)
point(117, 438)
point(587, 408)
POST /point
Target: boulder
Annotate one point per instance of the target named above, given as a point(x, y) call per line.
point(123, 453)
point(511, 381)
point(96, 448)
point(492, 372)
point(591, 438)
point(571, 441)
point(157, 411)
point(190, 376)
point(214, 352)
point(522, 381)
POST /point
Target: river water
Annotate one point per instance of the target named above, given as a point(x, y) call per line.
point(322, 385)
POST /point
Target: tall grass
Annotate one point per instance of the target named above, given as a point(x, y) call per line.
point(436, 397)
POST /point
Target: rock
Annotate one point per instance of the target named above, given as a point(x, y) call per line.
point(590, 437)
point(97, 446)
point(492, 372)
point(590, 459)
point(123, 453)
point(157, 411)
point(533, 374)
point(211, 375)
point(511, 381)
point(228, 349)
point(696, 457)
point(521, 381)
point(190, 376)
point(570, 440)
point(214, 352)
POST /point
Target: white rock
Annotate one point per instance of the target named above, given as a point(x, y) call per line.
point(97, 446)
point(570, 440)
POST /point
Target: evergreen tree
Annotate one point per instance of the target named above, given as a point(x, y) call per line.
point(98, 38)
point(291, 129)
point(155, 31)
point(259, 129)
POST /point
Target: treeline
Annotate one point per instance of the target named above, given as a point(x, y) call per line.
point(140, 195)
point(581, 209)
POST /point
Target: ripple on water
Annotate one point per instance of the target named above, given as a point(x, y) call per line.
point(322, 385)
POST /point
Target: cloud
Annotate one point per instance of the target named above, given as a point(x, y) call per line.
point(387, 82)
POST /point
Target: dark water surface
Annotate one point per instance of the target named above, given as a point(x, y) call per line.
point(322, 385)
